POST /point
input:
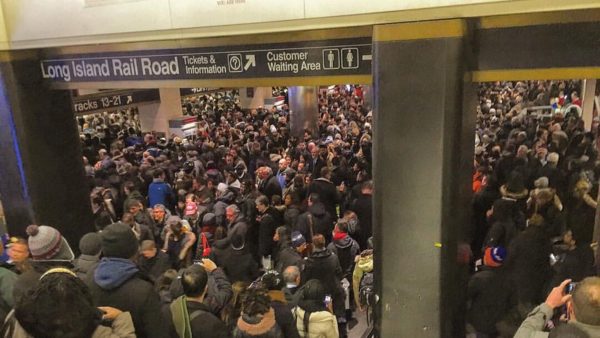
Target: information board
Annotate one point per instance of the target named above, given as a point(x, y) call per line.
point(292, 59)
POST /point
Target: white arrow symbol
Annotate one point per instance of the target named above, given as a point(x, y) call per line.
point(250, 61)
point(129, 99)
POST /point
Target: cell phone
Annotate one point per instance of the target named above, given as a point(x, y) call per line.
point(327, 300)
point(570, 288)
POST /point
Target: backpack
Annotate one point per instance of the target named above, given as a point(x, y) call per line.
point(366, 290)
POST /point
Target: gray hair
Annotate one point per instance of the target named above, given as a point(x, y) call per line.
point(234, 208)
point(291, 274)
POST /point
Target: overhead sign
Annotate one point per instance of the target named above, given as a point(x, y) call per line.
point(198, 91)
point(113, 99)
point(294, 59)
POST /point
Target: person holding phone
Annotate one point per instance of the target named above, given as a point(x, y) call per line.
point(583, 309)
point(314, 317)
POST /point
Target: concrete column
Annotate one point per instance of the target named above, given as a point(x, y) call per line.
point(256, 100)
point(423, 150)
point(304, 109)
point(588, 97)
point(42, 179)
point(156, 116)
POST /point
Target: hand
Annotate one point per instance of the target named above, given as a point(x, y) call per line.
point(110, 313)
point(557, 296)
point(209, 265)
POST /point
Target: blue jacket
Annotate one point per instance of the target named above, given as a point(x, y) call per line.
point(159, 192)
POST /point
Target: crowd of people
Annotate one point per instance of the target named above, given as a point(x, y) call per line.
point(242, 230)
point(534, 208)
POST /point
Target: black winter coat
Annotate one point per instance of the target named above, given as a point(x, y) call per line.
point(154, 267)
point(239, 265)
point(268, 223)
point(490, 297)
point(136, 295)
point(325, 266)
point(283, 315)
point(528, 263)
point(322, 222)
point(327, 192)
point(270, 187)
point(363, 207)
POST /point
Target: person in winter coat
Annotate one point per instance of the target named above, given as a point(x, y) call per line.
point(238, 263)
point(268, 222)
point(292, 210)
point(316, 220)
point(576, 261)
point(160, 215)
point(160, 192)
point(582, 306)
point(90, 246)
point(489, 293)
point(503, 229)
point(258, 317)
point(48, 250)
point(344, 247)
point(364, 264)
point(142, 232)
point(327, 191)
point(117, 282)
point(582, 212)
point(273, 282)
point(528, 262)
point(268, 184)
point(237, 226)
point(286, 254)
point(363, 207)
point(219, 288)
point(313, 318)
point(188, 316)
point(324, 265)
point(153, 262)
point(62, 306)
point(291, 278)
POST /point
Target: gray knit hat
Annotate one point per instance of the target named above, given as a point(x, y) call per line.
point(46, 243)
point(90, 244)
point(118, 240)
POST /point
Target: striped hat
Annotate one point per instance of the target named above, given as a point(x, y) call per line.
point(494, 256)
point(46, 243)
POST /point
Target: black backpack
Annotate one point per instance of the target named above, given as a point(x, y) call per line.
point(366, 290)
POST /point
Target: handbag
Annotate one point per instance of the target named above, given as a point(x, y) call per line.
point(206, 249)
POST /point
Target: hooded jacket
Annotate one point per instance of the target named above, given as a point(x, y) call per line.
point(117, 282)
point(346, 249)
point(322, 324)
point(85, 263)
point(364, 265)
point(258, 327)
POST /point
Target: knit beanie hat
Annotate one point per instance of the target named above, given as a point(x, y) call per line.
point(494, 256)
point(119, 241)
point(46, 243)
point(297, 239)
point(90, 244)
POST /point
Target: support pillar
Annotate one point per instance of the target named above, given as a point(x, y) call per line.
point(257, 97)
point(304, 109)
point(42, 177)
point(156, 116)
point(423, 153)
point(588, 98)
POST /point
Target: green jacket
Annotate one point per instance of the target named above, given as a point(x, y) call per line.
point(535, 322)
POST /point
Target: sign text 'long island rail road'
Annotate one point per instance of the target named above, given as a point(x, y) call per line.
point(293, 59)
